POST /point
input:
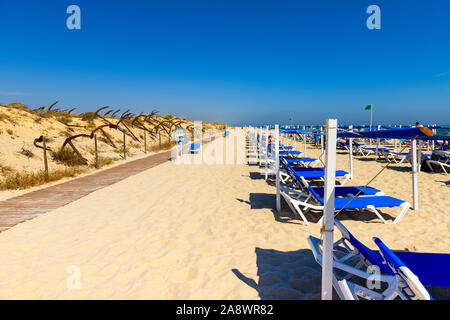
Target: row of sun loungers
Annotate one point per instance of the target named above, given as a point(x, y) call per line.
point(390, 155)
point(302, 198)
point(360, 272)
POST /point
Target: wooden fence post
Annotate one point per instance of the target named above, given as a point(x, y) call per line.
point(45, 159)
point(124, 147)
point(145, 141)
point(96, 151)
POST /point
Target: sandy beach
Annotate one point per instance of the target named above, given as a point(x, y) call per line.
point(198, 231)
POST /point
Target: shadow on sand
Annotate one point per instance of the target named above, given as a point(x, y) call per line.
point(296, 275)
point(285, 275)
point(447, 183)
point(257, 175)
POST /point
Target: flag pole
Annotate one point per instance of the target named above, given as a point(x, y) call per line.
point(371, 112)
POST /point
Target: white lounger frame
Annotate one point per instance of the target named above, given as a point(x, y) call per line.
point(301, 203)
point(393, 156)
point(442, 165)
point(348, 290)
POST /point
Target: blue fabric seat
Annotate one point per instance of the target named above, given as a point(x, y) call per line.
point(296, 160)
point(293, 152)
point(345, 191)
point(433, 269)
point(360, 202)
point(312, 173)
point(363, 202)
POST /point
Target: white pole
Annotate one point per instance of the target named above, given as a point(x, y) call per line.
point(321, 142)
point(419, 157)
point(351, 153)
point(351, 158)
point(277, 167)
point(304, 144)
point(376, 149)
point(432, 141)
point(414, 175)
point(259, 146)
point(371, 113)
point(328, 214)
point(267, 151)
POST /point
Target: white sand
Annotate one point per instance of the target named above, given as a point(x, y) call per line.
point(197, 232)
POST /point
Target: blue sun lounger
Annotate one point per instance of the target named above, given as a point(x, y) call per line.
point(290, 153)
point(404, 274)
point(367, 151)
point(313, 173)
point(350, 191)
point(282, 147)
point(307, 173)
point(302, 202)
point(194, 147)
point(340, 191)
point(304, 161)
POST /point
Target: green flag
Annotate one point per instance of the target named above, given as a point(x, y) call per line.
point(369, 107)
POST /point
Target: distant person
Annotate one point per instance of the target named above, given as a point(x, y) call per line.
point(418, 124)
point(446, 144)
point(316, 140)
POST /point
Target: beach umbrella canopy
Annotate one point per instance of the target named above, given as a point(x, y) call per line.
point(403, 133)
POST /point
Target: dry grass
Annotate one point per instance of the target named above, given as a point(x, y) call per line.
point(65, 134)
point(5, 170)
point(24, 180)
point(26, 152)
point(119, 150)
point(103, 139)
point(134, 144)
point(19, 106)
point(88, 116)
point(42, 114)
point(90, 125)
point(64, 119)
point(103, 161)
point(164, 146)
point(67, 157)
point(214, 125)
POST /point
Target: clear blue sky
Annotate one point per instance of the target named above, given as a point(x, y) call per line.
point(234, 61)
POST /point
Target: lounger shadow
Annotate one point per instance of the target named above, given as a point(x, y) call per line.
point(284, 275)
